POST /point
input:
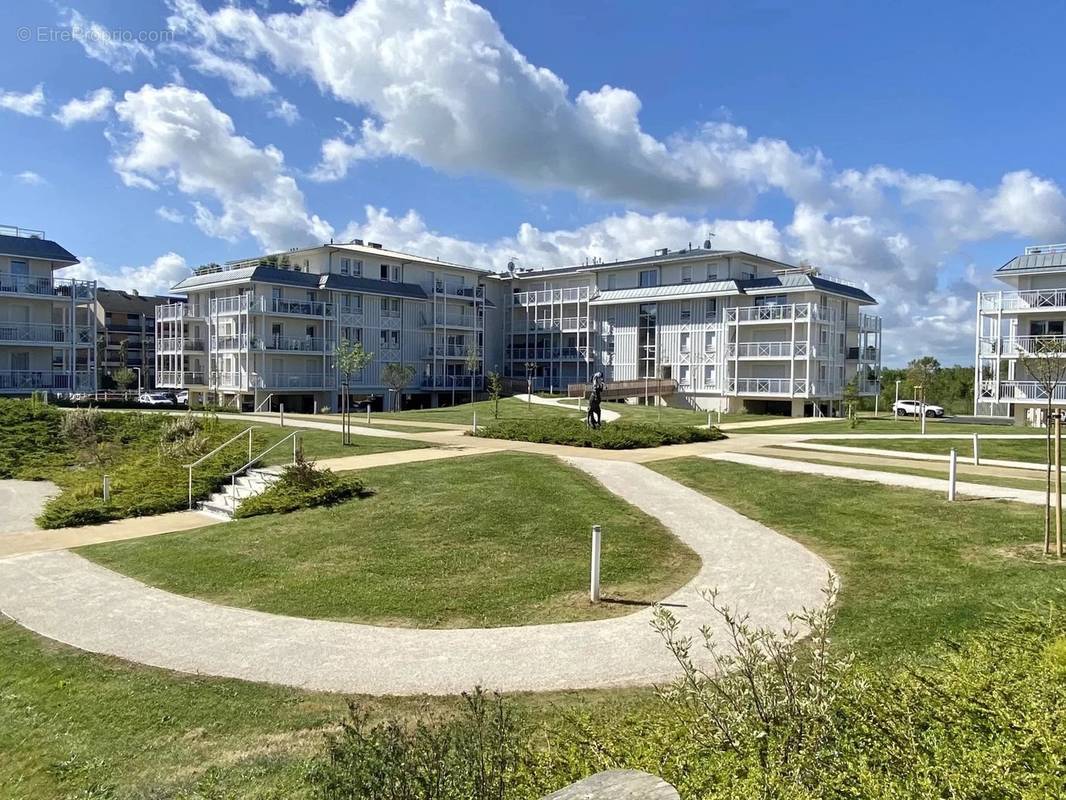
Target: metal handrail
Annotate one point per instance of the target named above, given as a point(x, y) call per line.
point(262, 402)
point(233, 475)
point(201, 459)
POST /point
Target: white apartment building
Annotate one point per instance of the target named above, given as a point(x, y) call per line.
point(723, 329)
point(730, 330)
point(264, 331)
point(1014, 323)
point(47, 324)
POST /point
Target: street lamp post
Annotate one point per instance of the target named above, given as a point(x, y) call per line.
point(895, 412)
point(138, 371)
point(531, 368)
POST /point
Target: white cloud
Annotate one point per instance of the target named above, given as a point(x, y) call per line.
point(243, 80)
point(170, 214)
point(96, 105)
point(30, 104)
point(175, 135)
point(103, 44)
point(30, 178)
point(155, 278)
point(284, 110)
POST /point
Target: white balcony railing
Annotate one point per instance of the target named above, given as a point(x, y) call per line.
point(1023, 390)
point(548, 353)
point(573, 295)
point(450, 351)
point(303, 308)
point(175, 311)
point(233, 342)
point(234, 304)
point(1031, 300)
point(43, 333)
point(767, 350)
point(455, 289)
point(297, 380)
point(775, 386)
point(28, 380)
point(1013, 347)
point(41, 286)
point(296, 344)
point(176, 379)
point(448, 381)
point(451, 321)
point(175, 344)
point(782, 313)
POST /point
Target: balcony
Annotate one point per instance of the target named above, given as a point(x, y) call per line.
point(235, 342)
point(453, 289)
point(869, 323)
point(296, 344)
point(549, 354)
point(297, 380)
point(560, 324)
point(1035, 300)
point(301, 308)
point(175, 344)
point(867, 354)
point(46, 288)
point(29, 380)
point(1012, 391)
point(174, 311)
point(800, 312)
point(450, 351)
point(783, 387)
point(577, 294)
point(448, 381)
point(767, 350)
point(177, 380)
point(235, 304)
point(452, 321)
point(33, 333)
point(1017, 346)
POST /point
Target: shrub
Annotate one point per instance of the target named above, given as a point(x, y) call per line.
point(619, 435)
point(30, 440)
point(82, 427)
point(302, 485)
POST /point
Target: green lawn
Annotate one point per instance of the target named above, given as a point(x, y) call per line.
point(320, 444)
point(916, 569)
point(462, 414)
point(676, 416)
point(888, 425)
point(452, 543)
point(1005, 449)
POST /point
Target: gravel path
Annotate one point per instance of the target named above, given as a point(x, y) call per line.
point(67, 598)
point(21, 502)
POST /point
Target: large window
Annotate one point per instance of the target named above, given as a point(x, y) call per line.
point(771, 300)
point(1046, 327)
point(646, 340)
point(649, 277)
point(686, 274)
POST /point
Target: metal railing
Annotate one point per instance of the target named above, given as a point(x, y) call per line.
point(303, 308)
point(1031, 300)
point(29, 379)
point(452, 321)
point(237, 341)
point(300, 344)
point(178, 379)
point(41, 286)
point(782, 313)
point(781, 386)
point(297, 380)
point(867, 353)
point(448, 381)
point(767, 350)
point(1012, 347)
point(204, 458)
point(1026, 390)
point(453, 289)
point(22, 233)
point(43, 333)
point(233, 475)
point(548, 353)
point(451, 351)
point(175, 311)
point(264, 402)
point(572, 295)
point(171, 344)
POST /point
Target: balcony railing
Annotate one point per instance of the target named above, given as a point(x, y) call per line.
point(297, 380)
point(234, 304)
point(450, 351)
point(777, 386)
point(40, 286)
point(548, 353)
point(453, 289)
point(862, 354)
point(1013, 347)
point(547, 296)
point(448, 381)
point(177, 379)
point(43, 333)
point(27, 380)
point(869, 323)
point(175, 311)
point(235, 342)
point(296, 344)
point(560, 324)
point(767, 350)
point(782, 313)
point(1023, 390)
point(452, 321)
point(174, 344)
point(304, 308)
point(1032, 300)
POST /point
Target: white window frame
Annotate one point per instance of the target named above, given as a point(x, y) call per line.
point(686, 274)
point(653, 272)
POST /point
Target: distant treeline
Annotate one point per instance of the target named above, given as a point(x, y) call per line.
point(950, 387)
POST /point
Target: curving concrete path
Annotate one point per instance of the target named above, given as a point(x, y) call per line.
point(67, 598)
point(606, 413)
point(21, 502)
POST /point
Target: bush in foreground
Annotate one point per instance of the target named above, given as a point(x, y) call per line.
point(302, 485)
point(787, 720)
point(619, 435)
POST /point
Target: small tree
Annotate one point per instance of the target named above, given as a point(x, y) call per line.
point(124, 353)
point(397, 376)
point(473, 361)
point(351, 358)
point(124, 378)
point(851, 399)
point(1046, 364)
point(495, 392)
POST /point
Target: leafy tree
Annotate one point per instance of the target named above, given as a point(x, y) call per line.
point(1046, 364)
point(124, 353)
point(495, 392)
point(397, 377)
point(351, 358)
point(473, 361)
point(921, 371)
point(124, 378)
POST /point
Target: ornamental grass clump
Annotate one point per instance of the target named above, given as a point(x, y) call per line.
point(302, 485)
point(618, 435)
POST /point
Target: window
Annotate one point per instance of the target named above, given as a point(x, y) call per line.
point(19, 267)
point(1048, 327)
point(712, 272)
point(771, 300)
point(646, 340)
point(710, 309)
point(384, 272)
point(684, 342)
point(686, 274)
point(612, 281)
point(357, 268)
point(682, 374)
point(710, 376)
point(346, 266)
point(648, 277)
point(686, 311)
point(710, 343)
point(390, 340)
point(396, 273)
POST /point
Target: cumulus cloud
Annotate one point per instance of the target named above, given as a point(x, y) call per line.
point(155, 278)
point(30, 178)
point(105, 45)
point(170, 214)
point(175, 135)
point(30, 104)
point(95, 105)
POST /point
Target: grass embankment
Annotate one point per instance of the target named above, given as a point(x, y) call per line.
point(454, 543)
point(916, 569)
point(143, 454)
point(1004, 449)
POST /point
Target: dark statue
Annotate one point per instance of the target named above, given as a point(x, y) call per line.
point(594, 419)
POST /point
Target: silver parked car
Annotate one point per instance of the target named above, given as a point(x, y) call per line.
point(912, 408)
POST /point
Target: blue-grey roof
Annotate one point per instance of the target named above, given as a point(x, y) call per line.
point(752, 285)
point(30, 247)
point(1034, 261)
point(308, 280)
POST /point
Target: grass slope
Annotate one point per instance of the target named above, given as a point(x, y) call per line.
point(908, 425)
point(1005, 449)
point(915, 568)
point(460, 542)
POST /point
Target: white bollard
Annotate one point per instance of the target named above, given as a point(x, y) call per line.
point(976, 450)
point(316, 405)
point(719, 416)
point(368, 413)
point(107, 488)
point(281, 408)
point(473, 425)
point(708, 418)
point(594, 585)
point(952, 462)
point(923, 420)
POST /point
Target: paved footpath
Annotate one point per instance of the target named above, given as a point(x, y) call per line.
point(979, 490)
point(67, 598)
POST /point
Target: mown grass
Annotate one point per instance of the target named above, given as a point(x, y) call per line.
point(1004, 449)
point(463, 414)
point(916, 569)
point(454, 543)
point(908, 425)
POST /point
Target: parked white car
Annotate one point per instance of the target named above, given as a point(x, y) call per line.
point(182, 397)
point(912, 408)
point(155, 399)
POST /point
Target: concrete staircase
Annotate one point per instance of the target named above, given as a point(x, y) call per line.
point(223, 503)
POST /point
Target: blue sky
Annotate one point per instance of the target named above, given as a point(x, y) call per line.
point(908, 147)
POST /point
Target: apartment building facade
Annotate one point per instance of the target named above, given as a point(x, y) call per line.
point(264, 331)
point(47, 324)
point(731, 330)
point(126, 335)
point(728, 330)
point(1016, 323)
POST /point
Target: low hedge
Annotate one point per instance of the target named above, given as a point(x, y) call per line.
point(619, 435)
point(300, 486)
